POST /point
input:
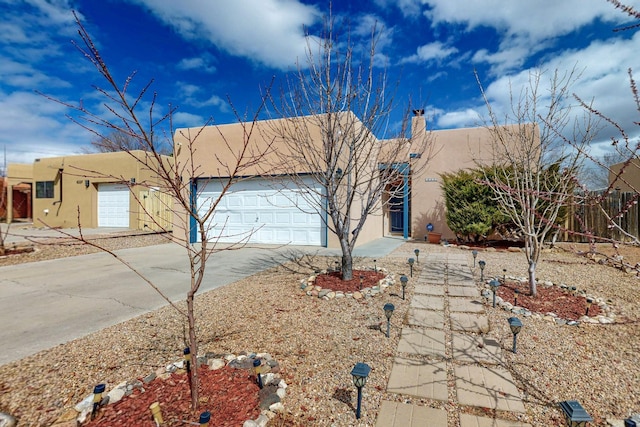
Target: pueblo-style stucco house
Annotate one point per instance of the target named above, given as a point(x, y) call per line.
point(255, 205)
point(97, 190)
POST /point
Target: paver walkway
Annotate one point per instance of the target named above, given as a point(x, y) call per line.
point(444, 354)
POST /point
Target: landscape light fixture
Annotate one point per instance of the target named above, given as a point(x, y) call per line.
point(504, 275)
point(574, 414)
point(388, 311)
point(482, 264)
point(97, 398)
point(375, 268)
point(403, 282)
point(411, 261)
point(589, 302)
point(360, 372)
point(361, 279)
point(256, 369)
point(494, 287)
point(475, 255)
point(417, 252)
point(337, 266)
point(516, 325)
point(156, 413)
point(187, 358)
point(205, 417)
point(574, 290)
point(634, 421)
point(515, 297)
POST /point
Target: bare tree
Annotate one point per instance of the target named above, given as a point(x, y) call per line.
point(535, 171)
point(118, 140)
point(332, 109)
point(173, 175)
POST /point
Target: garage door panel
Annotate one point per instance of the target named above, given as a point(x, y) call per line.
point(113, 205)
point(255, 207)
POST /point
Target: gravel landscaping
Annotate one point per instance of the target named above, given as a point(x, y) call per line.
point(317, 343)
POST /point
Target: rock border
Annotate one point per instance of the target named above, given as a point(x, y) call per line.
point(326, 294)
point(271, 395)
point(608, 317)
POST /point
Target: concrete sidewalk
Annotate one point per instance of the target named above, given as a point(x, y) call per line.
point(444, 356)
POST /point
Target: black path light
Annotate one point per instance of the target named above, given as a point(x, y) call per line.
point(361, 279)
point(494, 284)
point(475, 255)
point(516, 325)
point(97, 398)
point(589, 302)
point(515, 297)
point(417, 252)
point(360, 372)
point(403, 282)
point(574, 414)
point(256, 369)
point(504, 275)
point(411, 261)
point(205, 417)
point(482, 264)
point(375, 268)
point(388, 311)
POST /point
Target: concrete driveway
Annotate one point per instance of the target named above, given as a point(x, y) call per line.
point(47, 303)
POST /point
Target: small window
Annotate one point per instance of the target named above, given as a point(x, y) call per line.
point(44, 189)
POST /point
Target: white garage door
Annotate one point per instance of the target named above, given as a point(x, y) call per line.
point(113, 205)
point(252, 210)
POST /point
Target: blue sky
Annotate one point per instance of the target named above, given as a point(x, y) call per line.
point(201, 52)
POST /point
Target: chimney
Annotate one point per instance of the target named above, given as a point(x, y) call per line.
point(418, 124)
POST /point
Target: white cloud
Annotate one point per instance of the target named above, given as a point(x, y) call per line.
point(270, 32)
point(182, 119)
point(202, 63)
point(469, 117)
point(435, 51)
point(409, 8)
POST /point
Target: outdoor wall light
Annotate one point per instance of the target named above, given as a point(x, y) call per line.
point(388, 311)
point(482, 264)
point(360, 372)
point(411, 261)
point(156, 413)
point(475, 255)
point(187, 358)
point(403, 282)
point(515, 297)
point(589, 302)
point(256, 369)
point(574, 413)
point(205, 417)
point(494, 287)
point(97, 398)
point(417, 252)
point(516, 325)
point(86, 183)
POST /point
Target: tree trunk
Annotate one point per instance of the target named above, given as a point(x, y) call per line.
point(533, 287)
point(193, 347)
point(347, 261)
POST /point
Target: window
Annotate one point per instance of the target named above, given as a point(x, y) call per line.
point(44, 189)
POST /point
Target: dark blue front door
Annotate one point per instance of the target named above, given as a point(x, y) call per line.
point(396, 212)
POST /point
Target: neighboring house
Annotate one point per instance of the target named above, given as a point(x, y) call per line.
point(18, 198)
point(256, 204)
point(629, 180)
point(97, 190)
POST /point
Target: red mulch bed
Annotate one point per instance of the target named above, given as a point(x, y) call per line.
point(231, 396)
point(334, 280)
point(548, 300)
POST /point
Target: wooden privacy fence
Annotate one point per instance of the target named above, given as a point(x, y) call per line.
point(590, 218)
point(156, 212)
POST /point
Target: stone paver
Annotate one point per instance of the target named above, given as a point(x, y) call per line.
point(427, 302)
point(487, 388)
point(467, 420)
point(418, 378)
point(395, 414)
point(462, 282)
point(465, 305)
point(425, 318)
point(428, 342)
point(476, 349)
point(468, 322)
point(430, 289)
point(462, 291)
